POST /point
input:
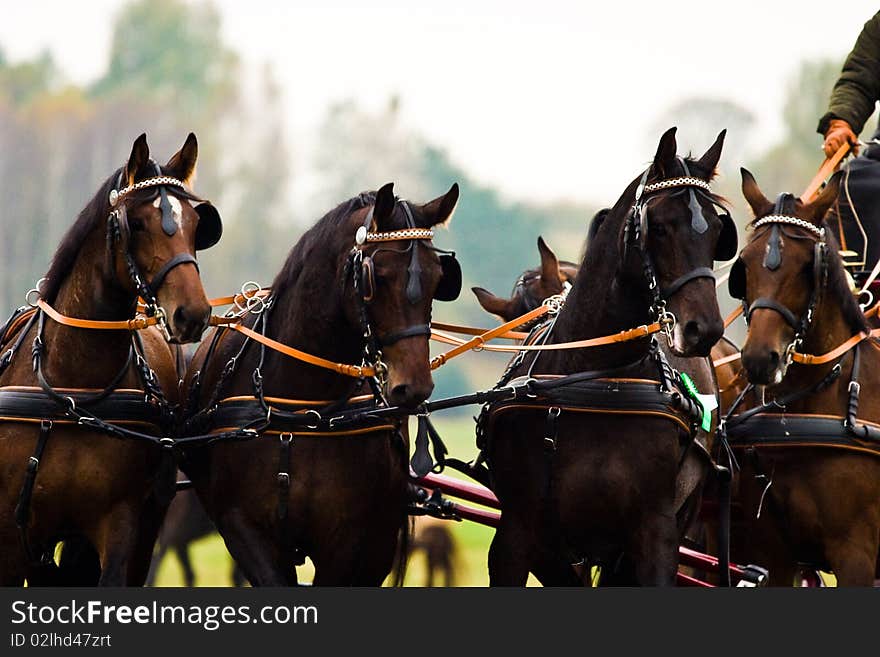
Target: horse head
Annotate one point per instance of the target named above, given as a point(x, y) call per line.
point(156, 224)
point(780, 275)
point(532, 287)
point(399, 274)
point(672, 234)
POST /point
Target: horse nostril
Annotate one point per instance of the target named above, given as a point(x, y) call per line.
point(693, 332)
point(399, 393)
point(773, 360)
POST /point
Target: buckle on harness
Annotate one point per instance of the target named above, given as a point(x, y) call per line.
point(553, 414)
point(317, 423)
point(855, 388)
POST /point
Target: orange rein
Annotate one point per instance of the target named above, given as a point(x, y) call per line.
point(134, 324)
point(828, 167)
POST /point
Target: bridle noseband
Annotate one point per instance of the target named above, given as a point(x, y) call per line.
point(118, 230)
point(360, 266)
point(773, 260)
point(636, 230)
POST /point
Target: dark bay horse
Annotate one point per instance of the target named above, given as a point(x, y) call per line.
point(105, 493)
point(550, 279)
point(806, 439)
point(555, 276)
point(616, 489)
point(338, 496)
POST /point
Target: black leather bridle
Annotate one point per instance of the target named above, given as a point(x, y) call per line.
point(119, 232)
point(782, 216)
point(636, 229)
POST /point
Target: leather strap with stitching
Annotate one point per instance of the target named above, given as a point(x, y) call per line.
point(356, 371)
point(477, 343)
point(133, 324)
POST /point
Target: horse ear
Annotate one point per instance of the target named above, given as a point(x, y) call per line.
point(550, 276)
point(759, 203)
point(664, 160)
point(710, 159)
point(182, 164)
point(441, 209)
point(493, 304)
point(140, 154)
point(817, 209)
point(384, 206)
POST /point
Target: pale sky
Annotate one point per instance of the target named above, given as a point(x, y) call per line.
point(548, 99)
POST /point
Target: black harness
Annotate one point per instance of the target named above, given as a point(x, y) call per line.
point(736, 284)
point(636, 236)
point(208, 232)
point(448, 288)
point(248, 418)
point(110, 411)
point(769, 425)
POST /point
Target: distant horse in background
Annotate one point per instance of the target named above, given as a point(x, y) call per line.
point(186, 522)
point(438, 543)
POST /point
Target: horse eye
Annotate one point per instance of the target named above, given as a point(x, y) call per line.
point(136, 224)
point(659, 229)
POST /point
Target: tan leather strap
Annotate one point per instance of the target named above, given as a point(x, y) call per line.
point(828, 167)
point(225, 301)
point(356, 371)
point(732, 316)
point(726, 359)
point(221, 301)
point(471, 330)
point(809, 359)
point(480, 340)
point(135, 324)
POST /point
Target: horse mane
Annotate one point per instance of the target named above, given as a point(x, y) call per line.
point(837, 286)
point(323, 233)
point(596, 223)
point(89, 219)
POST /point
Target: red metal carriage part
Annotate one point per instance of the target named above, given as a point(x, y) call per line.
point(746, 575)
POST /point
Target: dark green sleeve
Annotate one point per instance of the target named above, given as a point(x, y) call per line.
point(858, 87)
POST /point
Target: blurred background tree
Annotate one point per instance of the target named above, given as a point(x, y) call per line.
point(170, 72)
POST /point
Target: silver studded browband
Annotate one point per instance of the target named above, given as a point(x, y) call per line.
point(394, 235)
point(156, 181)
point(683, 181)
point(793, 221)
point(405, 234)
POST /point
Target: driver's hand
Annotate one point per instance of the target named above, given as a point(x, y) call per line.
point(839, 132)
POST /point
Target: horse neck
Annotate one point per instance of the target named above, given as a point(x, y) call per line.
point(601, 302)
point(310, 316)
point(87, 294)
